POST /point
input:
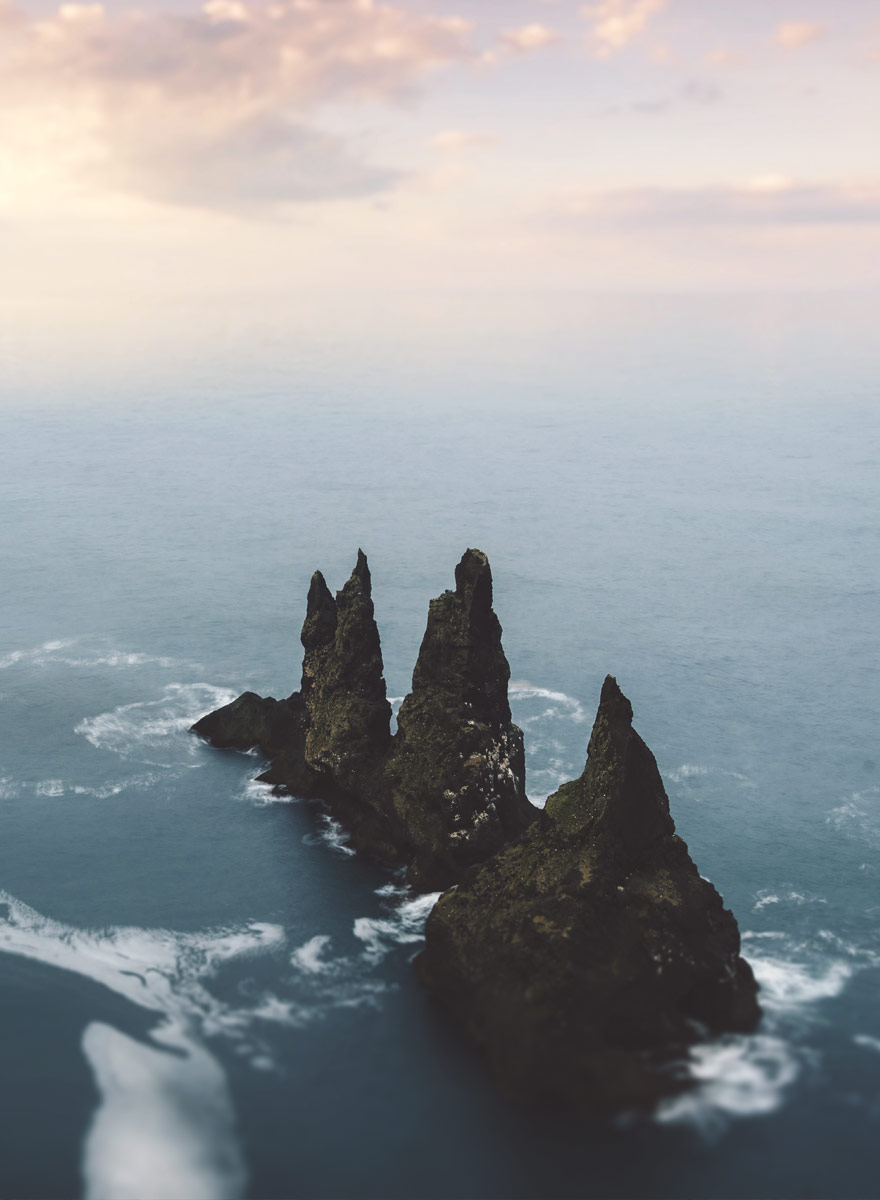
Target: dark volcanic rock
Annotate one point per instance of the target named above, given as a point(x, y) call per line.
point(277, 728)
point(457, 768)
point(449, 789)
point(343, 685)
point(348, 714)
point(584, 956)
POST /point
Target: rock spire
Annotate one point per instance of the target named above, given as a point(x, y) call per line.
point(583, 957)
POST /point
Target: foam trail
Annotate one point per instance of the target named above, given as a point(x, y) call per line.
point(736, 1077)
point(331, 834)
point(165, 1126)
point(750, 1075)
point(48, 655)
point(571, 708)
point(309, 957)
point(870, 1043)
point(150, 723)
point(406, 926)
point(155, 969)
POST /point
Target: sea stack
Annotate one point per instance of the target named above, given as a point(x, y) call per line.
point(457, 768)
point(583, 958)
point(448, 789)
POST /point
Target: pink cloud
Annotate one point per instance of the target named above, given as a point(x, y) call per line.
point(216, 106)
point(794, 34)
point(528, 38)
point(767, 200)
point(618, 22)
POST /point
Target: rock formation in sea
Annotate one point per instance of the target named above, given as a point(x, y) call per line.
point(448, 789)
point(578, 947)
point(583, 957)
point(457, 768)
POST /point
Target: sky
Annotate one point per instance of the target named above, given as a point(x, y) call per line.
point(258, 146)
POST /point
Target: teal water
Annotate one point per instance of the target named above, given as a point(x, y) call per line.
point(203, 993)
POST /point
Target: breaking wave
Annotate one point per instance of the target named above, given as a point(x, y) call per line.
point(154, 724)
point(330, 833)
point(538, 712)
point(404, 927)
point(746, 1075)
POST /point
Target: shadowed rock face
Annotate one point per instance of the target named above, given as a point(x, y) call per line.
point(584, 955)
point(457, 768)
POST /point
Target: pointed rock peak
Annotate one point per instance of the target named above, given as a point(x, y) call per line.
point(319, 626)
point(620, 792)
point(614, 706)
point(320, 597)
point(360, 579)
point(473, 577)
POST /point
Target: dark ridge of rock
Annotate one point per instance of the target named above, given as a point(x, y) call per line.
point(585, 956)
point(349, 717)
point(343, 683)
point(277, 728)
point(457, 767)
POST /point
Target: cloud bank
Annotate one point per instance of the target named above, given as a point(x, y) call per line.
point(770, 200)
point(215, 107)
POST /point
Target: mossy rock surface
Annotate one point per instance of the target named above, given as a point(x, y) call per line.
point(456, 772)
point(586, 955)
point(448, 789)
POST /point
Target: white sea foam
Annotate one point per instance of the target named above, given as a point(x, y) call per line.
point(105, 791)
point(155, 969)
point(132, 728)
point(870, 1043)
point(786, 895)
point(330, 833)
point(857, 816)
point(787, 985)
point(735, 1077)
point(687, 771)
point(309, 957)
point(49, 654)
point(35, 654)
point(405, 926)
point(261, 794)
point(750, 1075)
point(9, 789)
point(49, 787)
point(560, 705)
point(165, 1126)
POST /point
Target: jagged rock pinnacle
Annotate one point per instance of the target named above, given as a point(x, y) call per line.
point(343, 681)
point(457, 770)
point(580, 957)
point(620, 793)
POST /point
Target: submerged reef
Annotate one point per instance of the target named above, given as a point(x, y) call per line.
point(578, 947)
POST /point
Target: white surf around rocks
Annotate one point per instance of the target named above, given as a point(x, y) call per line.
point(751, 1075)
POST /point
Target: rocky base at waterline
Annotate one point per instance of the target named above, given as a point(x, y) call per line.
point(578, 948)
point(585, 957)
point(447, 790)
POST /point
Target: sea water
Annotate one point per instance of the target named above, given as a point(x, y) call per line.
point(203, 991)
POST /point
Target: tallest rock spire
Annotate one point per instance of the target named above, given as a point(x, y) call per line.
point(457, 771)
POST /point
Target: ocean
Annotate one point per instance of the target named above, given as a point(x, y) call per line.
point(203, 992)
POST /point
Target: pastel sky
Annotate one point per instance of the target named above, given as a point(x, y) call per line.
point(442, 144)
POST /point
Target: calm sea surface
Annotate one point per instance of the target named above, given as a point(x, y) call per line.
point(203, 992)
